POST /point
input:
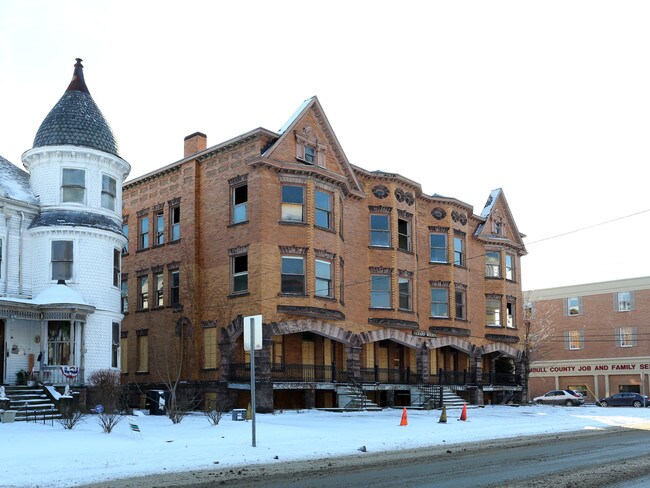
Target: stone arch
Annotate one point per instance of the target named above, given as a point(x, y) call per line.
point(452, 341)
point(395, 335)
point(502, 348)
point(316, 326)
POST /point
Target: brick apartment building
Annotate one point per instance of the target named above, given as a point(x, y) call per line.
point(362, 280)
point(599, 338)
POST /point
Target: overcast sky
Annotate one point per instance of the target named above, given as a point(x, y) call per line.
point(548, 100)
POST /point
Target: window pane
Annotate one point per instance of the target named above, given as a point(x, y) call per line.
point(74, 177)
point(379, 222)
point(380, 292)
point(438, 247)
point(75, 195)
point(292, 194)
point(323, 200)
point(109, 185)
point(292, 265)
point(292, 212)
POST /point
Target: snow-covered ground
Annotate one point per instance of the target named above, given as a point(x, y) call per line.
point(33, 454)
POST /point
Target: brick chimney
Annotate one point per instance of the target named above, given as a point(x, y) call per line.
point(195, 143)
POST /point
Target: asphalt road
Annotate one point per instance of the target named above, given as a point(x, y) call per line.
point(585, 459)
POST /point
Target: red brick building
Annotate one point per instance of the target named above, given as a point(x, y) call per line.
point(599, 338)
point(361, 279)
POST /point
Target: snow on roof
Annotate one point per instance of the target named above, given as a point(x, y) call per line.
point(489, 205)
point(14, 183)
point(58, 294)
point(295, 115)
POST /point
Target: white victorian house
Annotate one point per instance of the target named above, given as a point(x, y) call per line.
point(60, 246)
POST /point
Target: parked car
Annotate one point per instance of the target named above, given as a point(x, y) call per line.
point(561, 397)
point(624, 399)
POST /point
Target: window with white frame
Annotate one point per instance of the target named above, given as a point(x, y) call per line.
point(175, 223)
point(124, 295)
point(439, 302)
point(324, 286)
point(574, 339)
point(239, 269)
point(158, 283)
point(380, 230)
point(115, 345)
point(117, 271)
point(143, 292)
point(310, 154)
point(323, 209)
point(239, 196)
point(174, 287)
point(125, 231)
point(144, 233)
point(405, 302)
point(573, 306)
point(159, 222)
point(624, 301)
point(437, 248)
point(293, 203)
point(510, 267)
point(459, 251)
point(493, 312)
point(626, 336)
point(293, 275)
point(62, 260)
point(109, 192)
point(73, 185)
point(380, 291)
point(510, 314)
point(460, 296)
point(60, 343)
point(493, 264)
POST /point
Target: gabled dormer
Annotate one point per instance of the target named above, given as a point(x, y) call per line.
point(307, 143)
point(498, 226)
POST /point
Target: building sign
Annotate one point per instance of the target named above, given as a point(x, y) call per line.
point(424, 333)
point(615, 367)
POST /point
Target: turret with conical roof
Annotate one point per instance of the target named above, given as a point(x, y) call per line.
point(76, 120)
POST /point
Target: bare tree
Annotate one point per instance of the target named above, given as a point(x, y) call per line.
point(176, 354)
point(538, 331)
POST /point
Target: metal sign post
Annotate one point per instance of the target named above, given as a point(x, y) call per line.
point(252, 327)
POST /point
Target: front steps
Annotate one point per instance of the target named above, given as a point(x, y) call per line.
point(428, 396)
point(31, 403)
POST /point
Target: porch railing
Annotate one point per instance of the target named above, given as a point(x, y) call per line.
point(319, 373)
point(57, 375)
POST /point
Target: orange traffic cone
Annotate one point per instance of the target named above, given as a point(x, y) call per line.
point(463, 415)
point(404, 419)
point(443, 415)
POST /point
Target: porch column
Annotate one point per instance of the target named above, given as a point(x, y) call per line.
point(521, 396)
point(423, 364)
point(227, 354)
point(353, 360)
point(263, 379)
point(476, 394)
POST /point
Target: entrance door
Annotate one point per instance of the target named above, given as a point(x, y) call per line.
point(308, 358)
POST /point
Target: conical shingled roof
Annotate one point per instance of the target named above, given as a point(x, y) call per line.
point(76, 120)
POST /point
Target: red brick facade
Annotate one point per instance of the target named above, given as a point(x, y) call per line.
point(338, 260)
point(598, 341)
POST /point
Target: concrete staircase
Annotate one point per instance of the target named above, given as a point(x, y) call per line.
point(353, 397)
point(31, 403)
point(428, 396)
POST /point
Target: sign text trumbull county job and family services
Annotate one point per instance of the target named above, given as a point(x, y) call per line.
point(615, 367)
